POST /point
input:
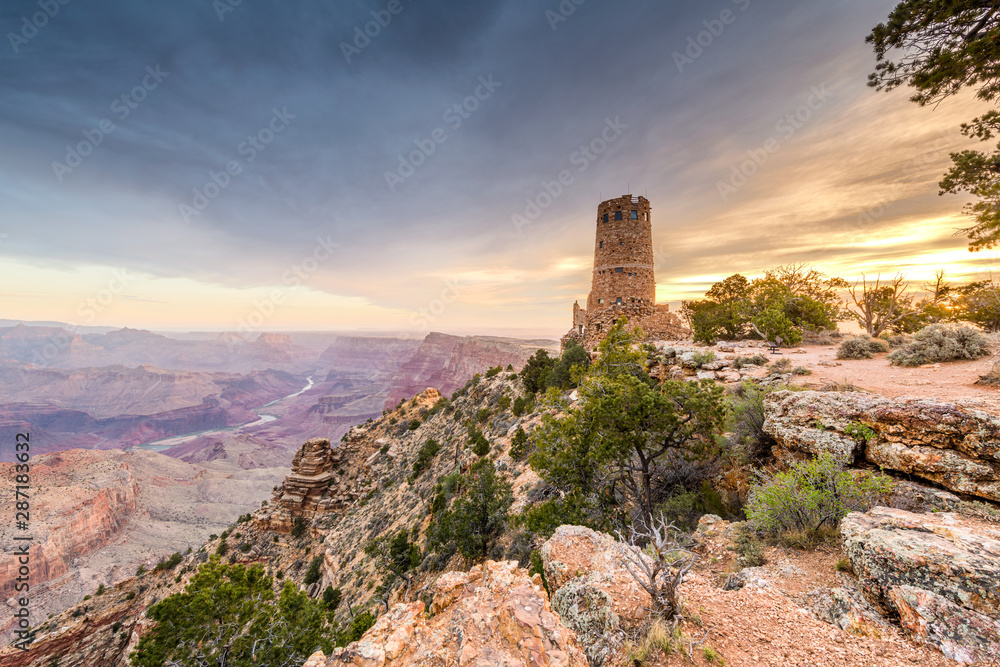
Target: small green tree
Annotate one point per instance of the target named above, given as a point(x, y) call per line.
point(478, 517)
point(227, 615)
point(535, 373)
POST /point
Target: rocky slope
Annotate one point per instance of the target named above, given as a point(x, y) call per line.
point(97, 515)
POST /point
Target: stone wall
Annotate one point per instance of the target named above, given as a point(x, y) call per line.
point(623, 255)
point(623, 281)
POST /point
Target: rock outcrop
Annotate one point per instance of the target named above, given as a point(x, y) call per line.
point(951, 444)
point(939, 572)
point(447, 362)
point(312, 473)
point(492, 615)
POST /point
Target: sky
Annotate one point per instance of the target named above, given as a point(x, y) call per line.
point(396, 164)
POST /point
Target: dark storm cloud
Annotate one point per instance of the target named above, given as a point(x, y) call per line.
point(345, 124)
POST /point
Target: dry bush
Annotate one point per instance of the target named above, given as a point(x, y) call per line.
point(660, 566)
point(941, 342)
point(861, 347)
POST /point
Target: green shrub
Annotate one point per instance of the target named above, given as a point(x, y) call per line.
point(811, 495)
point(480, 445)
point(801, 370)
point(780, 367)
point(413, 425)
point(483, 415)
point(535, 373)
point(504, 402)
point(299, 526)
point(314, 573)
point(478, 518)
point(100, 590)
point(424, 457)
point(493, 372)
point(130, 596)
point(522, 405)
point(753, 360)
point(861, 347)
point(749, 546)
point(358, 627)
point(683, 508)
point(331, 598)
point(702, 358)
point(519, 445)
point(169, 563)
point(941, 342)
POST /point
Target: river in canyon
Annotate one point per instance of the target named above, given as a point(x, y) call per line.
point(262, 418)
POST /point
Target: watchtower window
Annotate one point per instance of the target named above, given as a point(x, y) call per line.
point(619, 269)
point(602, 244)
point(600, 301)
point(619, 301)
point(618, 215)
point(635, 215)
point(605, 217)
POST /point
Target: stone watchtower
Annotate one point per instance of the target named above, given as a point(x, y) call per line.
point(623, 255)
point(622, 282)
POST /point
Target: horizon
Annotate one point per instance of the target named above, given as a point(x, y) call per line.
point(432, 201)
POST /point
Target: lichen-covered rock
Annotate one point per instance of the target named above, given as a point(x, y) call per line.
point(581, 563)
point(847, 609)
point(492, 615)
point(953, 556)
point(953, 444)
point(941, 572)
point(960, 634)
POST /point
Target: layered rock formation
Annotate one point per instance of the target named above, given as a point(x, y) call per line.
point(954, 445)
point(494, 614)
point(447, 362)
point(939, 572)
point(97, 515)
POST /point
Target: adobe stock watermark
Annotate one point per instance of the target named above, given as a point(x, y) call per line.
point(786, 128)
point(696, 44)
point(30, 25)
point(121, 108)
point(565, 9)
point(223, 7)
point(364, 34)
point(454, 116)
point(297, 274)
point(581, 158)
point(249, 149)
point(436, 307)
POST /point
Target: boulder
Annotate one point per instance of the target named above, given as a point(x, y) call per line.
point(954, 445)
point(494, 614)
point(959, 633)
point(939, 571)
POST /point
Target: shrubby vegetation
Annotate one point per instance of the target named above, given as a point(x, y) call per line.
point(812, 495)
point(862, 347)
point(477, 517)
point(228, 615)
point(609, 455)
point(941, 342)
point(542, 371)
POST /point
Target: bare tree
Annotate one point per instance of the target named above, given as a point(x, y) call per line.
point(660, 566)
point(880, 304)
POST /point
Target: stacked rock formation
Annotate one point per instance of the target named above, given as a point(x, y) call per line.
point(951, 444)
point(312, 473)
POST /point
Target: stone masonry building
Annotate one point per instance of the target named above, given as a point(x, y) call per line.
point(623, 281)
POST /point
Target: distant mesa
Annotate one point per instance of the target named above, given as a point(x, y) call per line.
point(623, 281)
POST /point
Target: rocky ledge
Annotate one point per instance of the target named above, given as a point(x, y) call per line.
point(939, 572)
point(951, 444)
point(495, 614)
